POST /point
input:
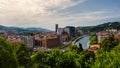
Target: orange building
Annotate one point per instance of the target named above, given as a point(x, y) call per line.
point(117, 36)
point(15, 41)
point(51, 41)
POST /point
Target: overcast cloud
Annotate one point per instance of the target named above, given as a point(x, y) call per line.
point(46, 13)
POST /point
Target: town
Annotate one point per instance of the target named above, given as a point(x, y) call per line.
point(66, 44)
point(43, 40)
point(59, 33)
point(60, 37)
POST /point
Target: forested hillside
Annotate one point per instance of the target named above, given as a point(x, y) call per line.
point(18, 29)
point(101, 27)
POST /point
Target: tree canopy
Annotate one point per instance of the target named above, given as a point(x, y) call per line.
point(18, 56)
point(7, 58)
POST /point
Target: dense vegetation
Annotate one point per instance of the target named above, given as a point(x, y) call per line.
point(109, 43)
point(93, 39)
point(101, 27)
point(7, 57)
point(18, 56)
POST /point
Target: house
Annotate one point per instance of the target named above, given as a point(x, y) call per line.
point(102, 35)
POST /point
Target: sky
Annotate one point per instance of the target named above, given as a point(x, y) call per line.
point(47, 13)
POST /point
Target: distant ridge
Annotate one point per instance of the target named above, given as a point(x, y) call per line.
point(18, 29)
point(101, 27)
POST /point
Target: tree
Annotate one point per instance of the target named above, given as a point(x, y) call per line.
point(23, 56)
point(40, 60)
point(80, 47)
point(93, 39)
point(7, 59)
point(109, 43)
point(75, 48)
point(55, 58)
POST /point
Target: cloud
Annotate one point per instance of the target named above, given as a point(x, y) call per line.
point(18, 7)
point(46, 13)
point(27, 11)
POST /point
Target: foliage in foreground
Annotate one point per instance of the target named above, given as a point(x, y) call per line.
point(93, 39)
point(7, 57)
point(18, 56)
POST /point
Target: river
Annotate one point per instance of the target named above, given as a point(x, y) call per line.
point(84, 41)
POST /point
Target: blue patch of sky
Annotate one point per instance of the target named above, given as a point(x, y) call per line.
point(95, 5)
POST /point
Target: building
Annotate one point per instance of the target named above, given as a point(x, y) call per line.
point(38, 40)
point(28, 40)
point(61, 30)
point(102, 35)
point(72, 31)
point(15, 40)
point(56, 27)
point(3, 34)
point(117, 36)
point(50, 41)
point(79, 32)
point(65, 37)
point(63, 33)
point(47, 40)
point(94, 48)
point(113, 31)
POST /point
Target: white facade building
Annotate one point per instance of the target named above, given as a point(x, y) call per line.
point(28, 40)
point(60, 30)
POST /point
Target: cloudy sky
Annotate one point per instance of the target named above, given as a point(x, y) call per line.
point(47, 13)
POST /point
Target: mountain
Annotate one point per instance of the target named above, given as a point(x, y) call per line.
point(37, 29)
point(18, 29)
point(101, 27)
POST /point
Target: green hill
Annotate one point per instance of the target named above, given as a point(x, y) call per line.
point(101, 27)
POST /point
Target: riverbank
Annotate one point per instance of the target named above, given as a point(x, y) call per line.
point(84, 41)
point(65, 46)
point(77, 39)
